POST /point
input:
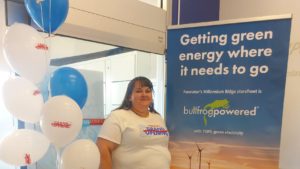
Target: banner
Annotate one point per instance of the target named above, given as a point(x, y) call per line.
point(225, 91)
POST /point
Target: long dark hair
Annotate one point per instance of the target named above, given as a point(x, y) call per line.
point(145, 82)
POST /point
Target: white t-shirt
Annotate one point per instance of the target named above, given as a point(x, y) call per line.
point(143, 142)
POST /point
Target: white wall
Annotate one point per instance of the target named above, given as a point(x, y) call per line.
point(290, 136)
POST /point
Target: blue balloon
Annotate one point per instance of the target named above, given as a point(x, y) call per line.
point(69, 82)
point(48, 14)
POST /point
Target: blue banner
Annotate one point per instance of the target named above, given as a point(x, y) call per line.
point(193, 11)
point(225, 92)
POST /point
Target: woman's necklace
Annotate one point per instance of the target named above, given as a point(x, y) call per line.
point(140, 113)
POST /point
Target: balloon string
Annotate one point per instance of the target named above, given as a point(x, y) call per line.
point(42, 16)
point(48, 54)
point(50, 10)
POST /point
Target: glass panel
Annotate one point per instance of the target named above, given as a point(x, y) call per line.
point(107, 69)
point(116, 64)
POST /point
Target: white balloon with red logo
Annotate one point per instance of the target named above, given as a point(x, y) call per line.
point(22, 99)
point(80, 154)
point(61, 120)
point(23, 147)
point(26, 52)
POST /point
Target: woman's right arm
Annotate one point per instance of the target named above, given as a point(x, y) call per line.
point(106, 148)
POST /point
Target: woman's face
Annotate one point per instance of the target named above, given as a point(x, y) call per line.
point(141, 95)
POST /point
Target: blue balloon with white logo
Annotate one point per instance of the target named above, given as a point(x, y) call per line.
point(49, 15)
point(69, 82)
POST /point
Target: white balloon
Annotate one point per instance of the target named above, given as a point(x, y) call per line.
point(81, 154)
point(26, 52)
point(61, 120)
point(22, 99)
point(3, 64)
point(23, 147)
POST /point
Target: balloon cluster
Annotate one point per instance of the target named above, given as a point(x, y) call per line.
point(49, 15)
point(60, 117)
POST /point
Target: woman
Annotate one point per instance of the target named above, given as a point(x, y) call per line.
point(134, 136)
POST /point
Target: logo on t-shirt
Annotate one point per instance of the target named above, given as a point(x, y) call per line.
point(154, 130)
